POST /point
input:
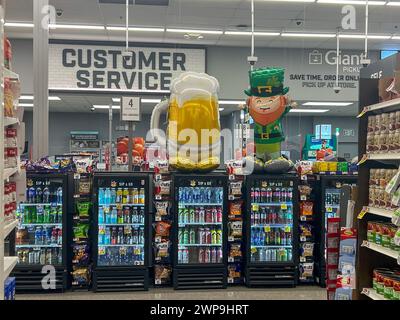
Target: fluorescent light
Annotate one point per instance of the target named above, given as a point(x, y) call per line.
point(28, 105)
point(396, 38)
point(309, 1)
point(144, 29)
point(360, 36)
point(308, 35)
point(231, 102)
point(100, 106)
point(51, 98)
point(150, 100)
point(248, 33)
point(327, 104)
point(120, 91)
point(195, 31)
point(75, 26)
point(308, 110)
point(360, 2)
point(393, 3)
point(19, 24)
point(116, 99)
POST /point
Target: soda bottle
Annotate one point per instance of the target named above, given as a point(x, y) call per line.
point(289, 195)
point(125, 196)
point(114, 236)
point(59, 195)
point(277, 237)
point(101, 215)
point(46, 195)
point(207, 255)
point(180, 256)
point(263, 194)
point(191, 215)
point(213, 255)
point(219, 255)
point(39, 214)
point(186, 256)
point(31, 195)
point(252, 218)
point(219, 215)
point(181, 215)
point(201, 256)
point(208, 235)
point(257, 195)
point(289, 215)
point(114, 215)
point(201, 235)
point(135, 236)
point(201, 215)
point(186, 216)
point(269, 195)
point(113, 195)
point(289, 255)
point(213, 236)
point(253, 195)
point(120, 216)
point(262, 237)
point(39, 195)
point(283, 195)
point(219, 236)
point(277, 197)
point(192, 236)
point(283, 238)
point(289, 239)
point(185, 236)
point(54, 234)
point(101, 196)
point(189, 195)
point(141, 196)
point(257, 217)
point(120, 236)
point(38, 236)
point(180, 236)
point(267, 238)
point(101, 236)
point(262, 255)
point(118, 197)
point(196, 215)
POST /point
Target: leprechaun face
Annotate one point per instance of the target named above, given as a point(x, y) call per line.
point(266, 110)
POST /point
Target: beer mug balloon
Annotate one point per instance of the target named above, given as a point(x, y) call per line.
point(193, 133)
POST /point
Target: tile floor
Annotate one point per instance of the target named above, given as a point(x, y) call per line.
point(239, 293)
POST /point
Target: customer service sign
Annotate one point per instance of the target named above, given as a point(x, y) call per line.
point(110, 67)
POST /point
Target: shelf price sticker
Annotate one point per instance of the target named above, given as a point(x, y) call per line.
point(288, 228)
point(303, 197)
point(283, 206)
point(303, 218)
point(231, 197)
point(255, 207)
point(77, 176)
point(231, 259)
point(253, 250)
point(157, 281)
point(303, 239)
point(363, 159)
point(231, 177)
point(231, 239)
point(157, 239)
point(362, 213)
point(230, 280)
point(303, 177)
point(158, 197)
point(302, 259)
point(158, 218)
point(102, 251)
point(267, 228)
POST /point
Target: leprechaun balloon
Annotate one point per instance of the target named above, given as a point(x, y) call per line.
point(267, 105)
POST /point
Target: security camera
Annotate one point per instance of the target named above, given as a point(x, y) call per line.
point(365, 62)
point(92, 109)
point(252, 60)
point(337, 89)
point(299, 22)
point(59, 12)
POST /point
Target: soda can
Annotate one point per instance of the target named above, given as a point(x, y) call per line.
point(214, 255)
point(201, 255)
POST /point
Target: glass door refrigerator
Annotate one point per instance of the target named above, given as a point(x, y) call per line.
point(200, 231)
point(121, 231)
point(41, 236)
point(271, 230)
point(330, 195)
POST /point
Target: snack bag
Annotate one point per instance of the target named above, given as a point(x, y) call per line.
point(235, 208)
point(307, 249)
point(396, 217)
point(80, 276)
point(235, 228)
point(83, 208)
point(161, 250)
point(234, 250)
point(306, 270)
point(162, 274)
point(163, 187)
point(235, 188)
point(304, 190)
point(81, 231)
point(306, 208)
point(162, 208)
point(162, 229)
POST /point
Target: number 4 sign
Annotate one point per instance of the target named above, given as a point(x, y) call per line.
point(130, 109)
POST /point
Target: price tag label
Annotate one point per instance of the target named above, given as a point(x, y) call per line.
point(157, 281)
point(364, 111)
point(119, 206)
point(76, 196)
point(303, 197)
point(137, 251)
point(158, 197)
point(362, 213)
point(253, 250)
point(303, 239)
point(302, 259)
point(255, 207)
point(230, 280)
point(231, 239)
point(158, 177)
point(267, 228)
point(231, 197)
point(157, 239)
point(158, 218)
point(231, 177)
point(329, 209)
point(303, 218)
point(332, 173)
point(288, 228)
point(303, 177)
point(283, 206)
point(231, 259)
point(77, 176)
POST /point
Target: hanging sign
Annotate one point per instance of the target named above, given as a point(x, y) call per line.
point(130, 109)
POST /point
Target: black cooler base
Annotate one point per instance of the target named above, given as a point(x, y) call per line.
point(32, 280)
point(271, 276)
point(200, 278)
point(120, 280)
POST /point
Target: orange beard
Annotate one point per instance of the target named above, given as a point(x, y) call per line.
point(266, 110)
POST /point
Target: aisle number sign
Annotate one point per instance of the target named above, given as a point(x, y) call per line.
point(130, 109)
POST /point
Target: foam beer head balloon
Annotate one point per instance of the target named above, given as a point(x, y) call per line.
point(193, 133)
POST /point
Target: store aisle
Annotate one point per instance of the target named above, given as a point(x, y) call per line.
point(299, 293)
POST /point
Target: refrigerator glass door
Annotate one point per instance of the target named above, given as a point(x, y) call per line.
point(39, 237)
point(121, 222)
point(271, 221)
point(200, 225)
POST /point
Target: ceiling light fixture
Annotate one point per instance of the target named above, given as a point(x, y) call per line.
point(393, 3)
point(308, 35)
point(327, 104)
point(221, 109)
point(396, 38)
point(19, 24)
point(139, 29)
point(101, 106)
point(308, 110)
point(173, 30)
point(116, 91)
point(28, 97)
point(362, 36)
point(26, 105)
point(75, 26)
point(231, 102)
point(248, 33)
point(355, 2)
point(307, 1)
point(150, 100)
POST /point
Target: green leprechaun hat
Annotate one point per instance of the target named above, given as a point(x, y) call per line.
point(267, 82)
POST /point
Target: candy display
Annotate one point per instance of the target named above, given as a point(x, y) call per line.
point(383, 133)
point(334, 167)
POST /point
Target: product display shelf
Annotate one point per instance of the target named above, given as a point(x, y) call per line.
point(9, 264)
point(372, 294)
point(9, 172)
point(235, 243)
point(7, 73)
point(381, 249)
point(9, 226)
point(9, 121)
point(369, 255)
point(386, 213)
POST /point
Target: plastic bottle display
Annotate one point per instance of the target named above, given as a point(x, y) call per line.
point(121, 225)
point(271, 221)
point(200, 234)
point(39, 238)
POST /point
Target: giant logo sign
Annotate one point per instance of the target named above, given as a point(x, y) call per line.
point(99, 67)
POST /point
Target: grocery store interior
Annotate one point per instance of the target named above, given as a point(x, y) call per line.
point(200, 150)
